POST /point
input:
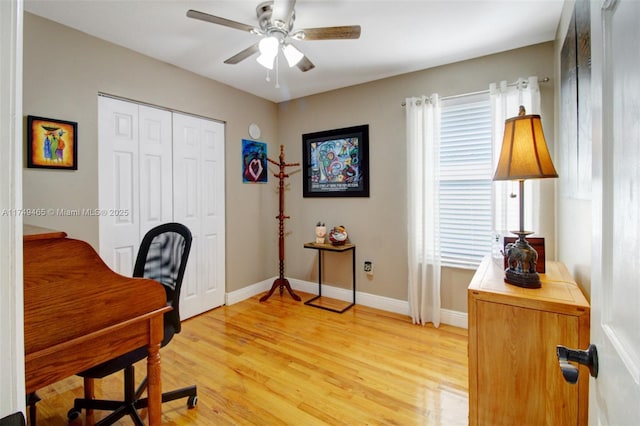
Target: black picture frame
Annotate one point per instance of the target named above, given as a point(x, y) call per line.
point(336, 162)
point(52, 143)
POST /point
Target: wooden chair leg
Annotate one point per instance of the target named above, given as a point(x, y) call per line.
point(32, 399)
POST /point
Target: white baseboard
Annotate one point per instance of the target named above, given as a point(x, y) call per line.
point(454, 318)
point(247, 292)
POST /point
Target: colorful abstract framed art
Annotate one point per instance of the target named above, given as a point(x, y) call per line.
point(254, 161)
point(336, 162)
point(51, 143)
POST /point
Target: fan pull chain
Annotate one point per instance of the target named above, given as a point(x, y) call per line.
point(268, 76)
point(277, 72)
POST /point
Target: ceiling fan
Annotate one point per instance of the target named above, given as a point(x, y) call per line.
point(275, 26)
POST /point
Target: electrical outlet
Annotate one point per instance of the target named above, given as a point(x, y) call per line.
point(368, 266)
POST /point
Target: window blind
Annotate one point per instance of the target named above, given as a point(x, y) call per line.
point(466, 173)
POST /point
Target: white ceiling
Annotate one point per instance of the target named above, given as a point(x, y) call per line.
point(397, 36)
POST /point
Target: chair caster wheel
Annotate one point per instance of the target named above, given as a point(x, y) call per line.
point(73, 414)
point(192, 401)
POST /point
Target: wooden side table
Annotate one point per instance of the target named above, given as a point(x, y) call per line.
point(514, 374)
point(330, 247)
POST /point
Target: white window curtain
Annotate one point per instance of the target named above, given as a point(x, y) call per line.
point(423, 140)
point(505, 102)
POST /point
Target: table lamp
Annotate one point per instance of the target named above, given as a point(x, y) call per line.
point(524, 155)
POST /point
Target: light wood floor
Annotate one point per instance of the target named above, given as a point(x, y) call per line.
point(283, 363)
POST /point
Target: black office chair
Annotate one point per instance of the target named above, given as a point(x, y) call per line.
point(16, 419)
point(162, 257)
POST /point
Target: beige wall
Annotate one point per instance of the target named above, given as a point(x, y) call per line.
point(573, 214)
point(377, 225)
point(65, 70)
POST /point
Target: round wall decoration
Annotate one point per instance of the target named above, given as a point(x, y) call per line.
point(254, 131)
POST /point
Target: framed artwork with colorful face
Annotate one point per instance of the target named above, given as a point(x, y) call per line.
point(51, 143)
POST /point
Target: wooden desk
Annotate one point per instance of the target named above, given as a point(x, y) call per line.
point(330, 247)
point(33, 232)
point(79, 313)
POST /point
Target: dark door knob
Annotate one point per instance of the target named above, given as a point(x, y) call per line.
point(588, 358)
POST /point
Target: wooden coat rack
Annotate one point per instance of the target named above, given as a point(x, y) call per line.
point(281, 282)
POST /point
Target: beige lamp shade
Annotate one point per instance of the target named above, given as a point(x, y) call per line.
point(524, 153)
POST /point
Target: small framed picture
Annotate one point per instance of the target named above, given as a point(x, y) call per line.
point(51, 143)
point(254, 161)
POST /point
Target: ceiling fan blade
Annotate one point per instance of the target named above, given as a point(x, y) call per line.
point(241, 56)
point(328, 33)
point(283, 10)
point(305, 64)
point(221, 21)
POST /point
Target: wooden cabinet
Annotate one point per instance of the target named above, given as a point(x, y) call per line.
point(514, 374)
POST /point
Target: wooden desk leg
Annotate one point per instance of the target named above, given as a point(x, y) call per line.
point(89, 393)
point(154, 389)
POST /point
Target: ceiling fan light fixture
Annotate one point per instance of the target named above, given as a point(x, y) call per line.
point(292, 54)
point(268, 48)
point(275, 27)
point(266, 61)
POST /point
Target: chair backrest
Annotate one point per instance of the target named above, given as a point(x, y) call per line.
point(162, 256)
point(16, 419)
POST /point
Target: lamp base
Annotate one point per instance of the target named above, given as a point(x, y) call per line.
point(522, 279)
point(521, 263)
